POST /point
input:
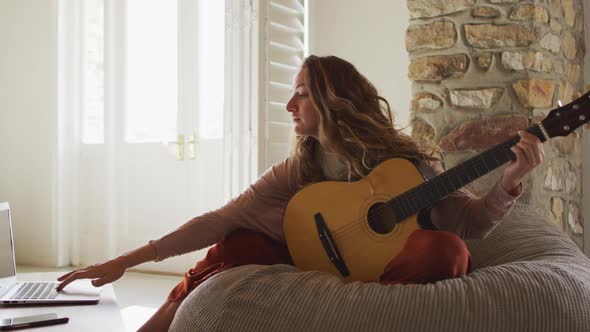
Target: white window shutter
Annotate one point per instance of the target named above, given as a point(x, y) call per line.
point(281, 52)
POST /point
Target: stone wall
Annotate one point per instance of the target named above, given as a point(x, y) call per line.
point(483, 69)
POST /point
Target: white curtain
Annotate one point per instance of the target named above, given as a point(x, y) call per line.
point(97, 178)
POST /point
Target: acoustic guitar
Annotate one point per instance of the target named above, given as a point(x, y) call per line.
point(353, 229)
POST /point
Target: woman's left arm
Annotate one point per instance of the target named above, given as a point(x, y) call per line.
point(473, 217)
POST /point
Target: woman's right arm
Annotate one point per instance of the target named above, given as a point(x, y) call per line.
point(259, 208)
point(112, 270)
point(253, 209)
point(143, 254)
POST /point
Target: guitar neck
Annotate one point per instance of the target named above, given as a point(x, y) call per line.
point(439, 187)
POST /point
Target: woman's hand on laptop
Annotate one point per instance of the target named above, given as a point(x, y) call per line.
point(102, 274)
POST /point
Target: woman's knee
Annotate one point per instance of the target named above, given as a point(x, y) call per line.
point(249, 247)
point(444, 250)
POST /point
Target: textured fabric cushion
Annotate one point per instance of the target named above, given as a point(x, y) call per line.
point(527, 276)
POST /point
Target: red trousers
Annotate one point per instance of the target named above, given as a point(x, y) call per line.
point(427, 256)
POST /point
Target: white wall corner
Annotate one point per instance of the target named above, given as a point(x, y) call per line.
point(341, 27)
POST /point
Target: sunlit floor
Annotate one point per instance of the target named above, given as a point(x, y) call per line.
point(139, 295)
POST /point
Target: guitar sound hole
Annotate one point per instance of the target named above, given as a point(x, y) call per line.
point(381, 218)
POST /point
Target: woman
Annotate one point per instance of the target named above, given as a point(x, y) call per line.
point(343, 130)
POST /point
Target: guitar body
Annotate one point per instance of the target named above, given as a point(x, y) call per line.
point(344, 207)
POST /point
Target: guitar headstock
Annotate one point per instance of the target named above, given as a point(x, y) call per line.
point(565, 119)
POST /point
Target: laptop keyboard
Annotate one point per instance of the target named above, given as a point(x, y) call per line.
point(36, 291)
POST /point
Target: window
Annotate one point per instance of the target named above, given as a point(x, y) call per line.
point(211, 68)
point(173, 68)
point(134, 73)
point(93, 72)
point(152, 70)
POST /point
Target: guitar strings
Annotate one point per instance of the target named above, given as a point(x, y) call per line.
point(350, 227)
point(351, 247)
point(354, 224)
point(377, 212)
point(345, 231)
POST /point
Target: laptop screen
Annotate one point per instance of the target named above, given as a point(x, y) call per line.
point(7, 268)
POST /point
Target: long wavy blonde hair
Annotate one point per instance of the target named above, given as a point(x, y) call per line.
point(354, 122)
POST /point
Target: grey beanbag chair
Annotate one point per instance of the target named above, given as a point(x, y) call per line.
point(527, 276)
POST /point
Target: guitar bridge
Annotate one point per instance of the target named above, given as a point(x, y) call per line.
point(330, 246)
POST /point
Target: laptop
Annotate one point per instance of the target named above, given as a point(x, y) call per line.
point(34, 292)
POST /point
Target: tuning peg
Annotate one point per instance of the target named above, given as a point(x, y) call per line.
point(587, 126)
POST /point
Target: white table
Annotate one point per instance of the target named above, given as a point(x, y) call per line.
point(104, 316)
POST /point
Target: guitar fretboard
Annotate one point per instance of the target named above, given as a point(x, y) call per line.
point(412, 201)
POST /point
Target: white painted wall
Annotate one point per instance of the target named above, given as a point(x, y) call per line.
point(28, 124)
point(371, 35)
